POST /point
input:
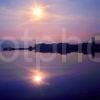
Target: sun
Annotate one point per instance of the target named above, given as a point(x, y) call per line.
point(38, 13)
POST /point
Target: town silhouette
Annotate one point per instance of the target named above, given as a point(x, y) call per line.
point(62, 48)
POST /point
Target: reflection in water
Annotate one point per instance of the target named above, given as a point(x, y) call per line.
point(38, 77)
point(57, 77)
point(25, 62)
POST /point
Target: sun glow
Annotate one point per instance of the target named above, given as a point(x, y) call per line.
point(38, 12)
point(38, 79)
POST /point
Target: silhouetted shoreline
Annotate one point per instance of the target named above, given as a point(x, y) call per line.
point(62, 48)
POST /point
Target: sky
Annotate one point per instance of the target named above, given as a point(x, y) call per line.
point(64, 18)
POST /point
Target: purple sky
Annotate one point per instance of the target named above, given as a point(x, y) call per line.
point(72, 18)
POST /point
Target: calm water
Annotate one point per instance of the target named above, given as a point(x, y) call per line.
point(68, 76)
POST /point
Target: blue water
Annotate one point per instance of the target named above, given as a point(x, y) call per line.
point(70, 79)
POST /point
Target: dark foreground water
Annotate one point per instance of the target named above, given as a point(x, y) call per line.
point(69, 77)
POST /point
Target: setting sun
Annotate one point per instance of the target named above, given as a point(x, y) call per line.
point(38, 13)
